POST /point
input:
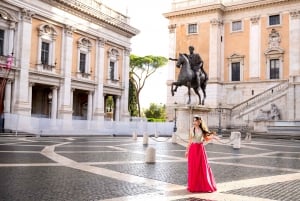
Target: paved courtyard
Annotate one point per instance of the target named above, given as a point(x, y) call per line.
point(114, 169)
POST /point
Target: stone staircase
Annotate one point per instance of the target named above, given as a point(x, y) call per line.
point(275, 129)
point(257, 101)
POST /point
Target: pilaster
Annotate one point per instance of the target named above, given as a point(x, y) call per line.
point(254, 45)
point(98, 97)
point(22, 101)
point(65, 109)
point(294, 61)
point(123, 106)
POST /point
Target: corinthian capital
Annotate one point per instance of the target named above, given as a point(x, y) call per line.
point(216, 22)
point(172, 28)
point(69, 30)
point(26, 15)
point(295, 14)
point(255, 19)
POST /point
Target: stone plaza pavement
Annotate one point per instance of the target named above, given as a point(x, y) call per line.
point(114, 169)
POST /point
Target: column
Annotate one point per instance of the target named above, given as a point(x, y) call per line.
point(7, 100)
point(30, 93)
point(54, 103)
point(90, 105)
point(124, 98)
point(254, 44)
point(99, 71)
point(22, 81)
point(71, 99)
point(65, 111)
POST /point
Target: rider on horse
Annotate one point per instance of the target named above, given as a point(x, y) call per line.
point(196, 64)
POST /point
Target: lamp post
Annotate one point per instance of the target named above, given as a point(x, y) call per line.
point(219, 109)
point(50, 103)
point(175, 118)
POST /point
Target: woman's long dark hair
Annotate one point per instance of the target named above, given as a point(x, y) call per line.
point(205, 132)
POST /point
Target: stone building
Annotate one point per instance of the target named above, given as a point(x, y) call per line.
point(69, 57)
point(251, 52)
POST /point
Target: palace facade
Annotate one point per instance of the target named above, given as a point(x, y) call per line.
point(251, 53)
point(70, 59)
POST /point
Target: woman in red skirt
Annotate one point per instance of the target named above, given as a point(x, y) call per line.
point(200, 176)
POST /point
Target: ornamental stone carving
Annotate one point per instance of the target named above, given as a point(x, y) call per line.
point(295, 14)
point(274, 39)
point(26, 15)
point(69, 30)
point(255, 19)
point(172, 28)
point(272, 114)
point(217, 22)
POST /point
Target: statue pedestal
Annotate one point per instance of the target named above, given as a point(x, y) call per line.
point(184, 118)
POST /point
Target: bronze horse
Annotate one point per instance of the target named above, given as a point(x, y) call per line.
point(187, 77)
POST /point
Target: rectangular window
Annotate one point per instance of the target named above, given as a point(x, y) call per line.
point(237, 26)
point(192, 28)
point(274, 20)
point(112, 70)
point(235, 71)
point(274, 69)
point(82, 62)
point(1, 42)
point(45, 53)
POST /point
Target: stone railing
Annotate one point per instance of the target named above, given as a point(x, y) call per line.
point(260, 97)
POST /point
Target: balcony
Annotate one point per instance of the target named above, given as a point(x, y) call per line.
point(46, 68)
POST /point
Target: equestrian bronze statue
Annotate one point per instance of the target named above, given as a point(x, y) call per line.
point(195, 77)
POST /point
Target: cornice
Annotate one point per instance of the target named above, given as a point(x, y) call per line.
point(194, 11)
point(223, 8)
point(95, 17)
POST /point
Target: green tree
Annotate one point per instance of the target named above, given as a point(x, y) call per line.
point(156, 111)
point(132, 100)
point(141, 68)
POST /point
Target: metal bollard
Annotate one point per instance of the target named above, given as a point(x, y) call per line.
point(150, 155)
point(237, 140)
point(145, 139)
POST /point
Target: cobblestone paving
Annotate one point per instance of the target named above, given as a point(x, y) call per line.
point(114, 169)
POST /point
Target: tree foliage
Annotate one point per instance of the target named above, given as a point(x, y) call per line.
point(132, 100)
point(141, 68)
point(156, 111)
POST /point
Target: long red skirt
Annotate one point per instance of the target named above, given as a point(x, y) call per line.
point(200, 176)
